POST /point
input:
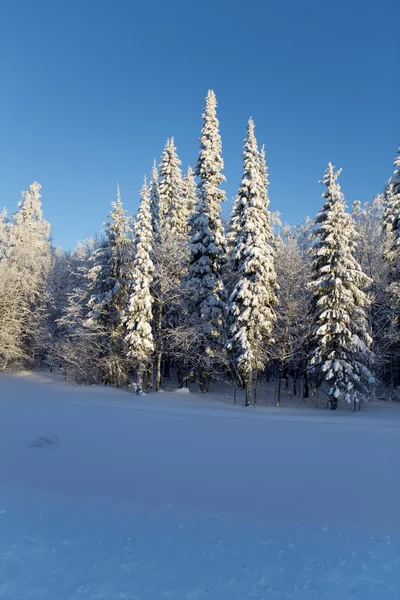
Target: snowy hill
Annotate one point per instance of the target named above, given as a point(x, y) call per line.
point(104, 494)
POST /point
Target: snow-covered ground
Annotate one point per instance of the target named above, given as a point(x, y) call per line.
point(182, 496)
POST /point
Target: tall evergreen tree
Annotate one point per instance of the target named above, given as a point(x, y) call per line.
point(155, 200)
point(392, 229)
point(207, 240)
point(189, 196)
point(79, 349)
point(109, 280)
point(138, 315)
point(392, 217)
point(172, 209)
point(252, 302)
point(340, 341)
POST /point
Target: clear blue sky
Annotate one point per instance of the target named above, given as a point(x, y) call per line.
point(91, 89)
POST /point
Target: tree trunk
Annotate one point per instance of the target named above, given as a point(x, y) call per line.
point(249, 386)
point(159, 348)
point(306, 385)
point(278, 402)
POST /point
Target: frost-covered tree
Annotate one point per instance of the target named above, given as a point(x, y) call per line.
point(172, 205)
point(293, 325)
point(207, 239)
point(108, 285)
point(374, 240)
point(189, 195)
point(392, 215)
point(138, 315)
point(155, 200)
point(24, 293)
point(340, 340)
point(169, 253)
point(3, 232)
point(79, 350)
point(252, 302)
point(392, 229)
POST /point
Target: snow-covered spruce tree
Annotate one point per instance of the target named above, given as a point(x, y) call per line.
point(169, 253)
point(392, 222)
point(79, 350)
point(138, 315)
point(293, 325)
point(155, 200)
point(108, 285)
point(374, 240)
point(24, 293)
point(172, 205)
point(189, 195)
point(252, 302)
point(340, 340)
point(207, 242)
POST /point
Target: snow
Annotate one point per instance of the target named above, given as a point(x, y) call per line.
point(188, 497)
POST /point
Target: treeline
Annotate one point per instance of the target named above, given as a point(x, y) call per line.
point(176, 292)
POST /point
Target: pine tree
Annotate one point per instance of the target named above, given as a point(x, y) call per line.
point(189, 196)
point(79, 349)
point(392, 229)
point(207, 240)
point(392, 217)
point(138, 316)
point(155, 200)
point(340, 341)
point(109, 280)
point(251, 304)
point(172, 208)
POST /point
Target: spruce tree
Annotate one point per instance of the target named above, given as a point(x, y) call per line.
point(80, 349)
point(138, 315)
point(392, 217)
point(108, 285)
point(189, 196)
point(252, 302)
point(392, 227)
point(340, 340)
point(207, 240)
point(155, 200)
point(172, 209)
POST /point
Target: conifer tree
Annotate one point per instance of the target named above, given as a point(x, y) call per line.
point(189, 196)
point(207, 240)
point(252, 302)
point(108, 285)
point(138, 315)
point(340, 340)
point(172, 209)
point(80, 349)
point(392, 217)
point(392, 228)
point(155, 200)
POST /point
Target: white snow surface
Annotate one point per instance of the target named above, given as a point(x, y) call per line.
point(187, 497)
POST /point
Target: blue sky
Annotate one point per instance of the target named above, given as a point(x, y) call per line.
point(91, 89)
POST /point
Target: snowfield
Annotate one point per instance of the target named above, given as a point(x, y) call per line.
point(106, 495)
